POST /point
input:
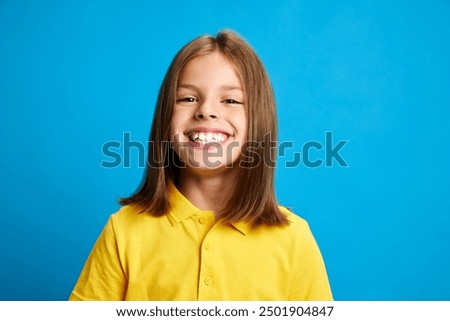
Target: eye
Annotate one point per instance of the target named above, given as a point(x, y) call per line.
point(187, 100)
point(232, 101)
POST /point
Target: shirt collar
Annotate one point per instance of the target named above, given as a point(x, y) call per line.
point(181, 208)
point(242, 227)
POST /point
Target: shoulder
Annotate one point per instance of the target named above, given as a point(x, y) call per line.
point(295, 221)
point(301, 236)
point(298, 227)
point(131, 217)
point(127, 212)
point(130, 226)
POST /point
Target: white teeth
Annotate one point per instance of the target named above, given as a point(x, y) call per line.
point(208, 137)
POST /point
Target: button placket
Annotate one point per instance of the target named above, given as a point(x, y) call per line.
point(202, 225)
point(207, 266)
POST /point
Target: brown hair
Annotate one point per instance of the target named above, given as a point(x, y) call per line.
point(253, 199)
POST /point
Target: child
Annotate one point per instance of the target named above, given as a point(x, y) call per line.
point(204, 224)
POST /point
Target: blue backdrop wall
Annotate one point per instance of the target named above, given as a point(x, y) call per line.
point(76, 74)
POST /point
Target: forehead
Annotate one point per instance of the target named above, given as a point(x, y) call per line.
point(211, 70)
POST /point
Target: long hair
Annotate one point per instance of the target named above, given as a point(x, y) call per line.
point(253, 198)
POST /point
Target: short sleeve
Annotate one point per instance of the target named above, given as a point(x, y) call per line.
point(102, 277)
point(309, 279)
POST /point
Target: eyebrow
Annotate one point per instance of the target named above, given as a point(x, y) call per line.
point(225, 87)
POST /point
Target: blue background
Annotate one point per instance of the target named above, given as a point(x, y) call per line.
point(76, 74)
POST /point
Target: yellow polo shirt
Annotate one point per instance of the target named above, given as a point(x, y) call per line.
point(187, 255)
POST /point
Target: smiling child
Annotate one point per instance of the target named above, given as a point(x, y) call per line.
point(204, 224)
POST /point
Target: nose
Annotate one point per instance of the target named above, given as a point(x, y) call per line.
point(206, 111)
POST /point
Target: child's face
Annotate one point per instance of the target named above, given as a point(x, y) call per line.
point(209, 123)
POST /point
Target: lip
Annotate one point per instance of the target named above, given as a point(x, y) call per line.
point(207, 130)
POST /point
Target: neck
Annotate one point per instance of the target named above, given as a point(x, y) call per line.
point(207, 192)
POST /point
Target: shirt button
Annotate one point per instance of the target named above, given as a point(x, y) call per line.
point(202, 220)
point(208, 247)
point(208, 281)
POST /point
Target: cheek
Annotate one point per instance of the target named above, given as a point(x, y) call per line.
point(172, 131)
point(175, 123)
point(241, 124)
point(178, 126)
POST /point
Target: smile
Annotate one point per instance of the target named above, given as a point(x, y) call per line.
point(207, 137)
